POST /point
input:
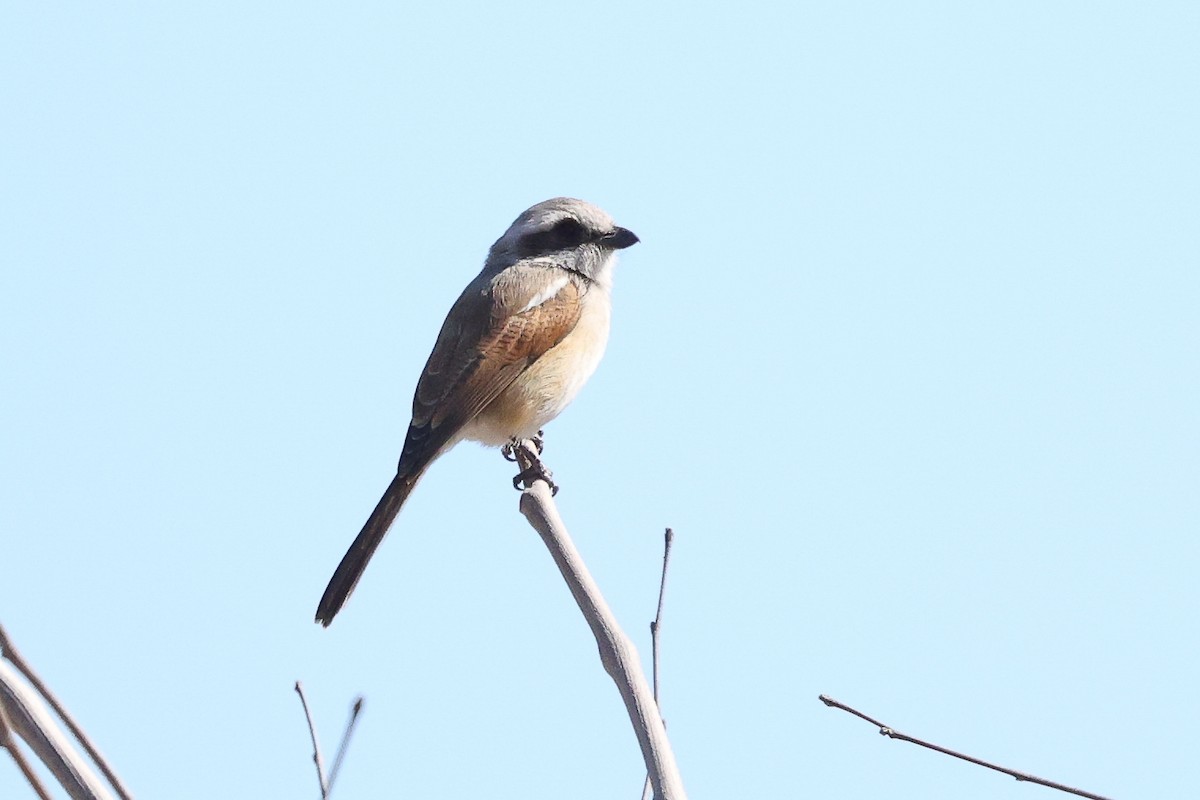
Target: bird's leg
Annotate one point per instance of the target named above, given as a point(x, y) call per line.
point(539, 441)
point(509, 451)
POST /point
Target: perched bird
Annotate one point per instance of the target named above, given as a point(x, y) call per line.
point(515, 349)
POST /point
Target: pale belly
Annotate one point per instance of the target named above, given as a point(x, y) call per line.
point(549, 385)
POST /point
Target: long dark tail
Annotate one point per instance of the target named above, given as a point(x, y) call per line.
point(355, 561)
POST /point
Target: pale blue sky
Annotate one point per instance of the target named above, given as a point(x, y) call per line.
point(907, 356)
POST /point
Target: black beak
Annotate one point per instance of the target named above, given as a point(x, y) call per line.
point(619, 239)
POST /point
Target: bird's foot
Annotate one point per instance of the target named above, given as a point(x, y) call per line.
point(537, 471)
point(539, 441)
point(527, 452)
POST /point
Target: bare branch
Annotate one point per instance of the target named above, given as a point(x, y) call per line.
point(327, 780)
point(617, 653)
point(1021, 776)
point(355, 710)
point(312, 731)
point(28, 717)
point(10, 744)
point(13, 655)
point(655, 627)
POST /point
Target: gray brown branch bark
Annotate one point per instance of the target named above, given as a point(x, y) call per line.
point(617, 653)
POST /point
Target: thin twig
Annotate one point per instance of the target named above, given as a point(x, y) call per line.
point(11, 653)
point(355, 710)
point(655, 627)
point(10, 744)
point(617, 653)
point(1021, 776)
point(312, 730)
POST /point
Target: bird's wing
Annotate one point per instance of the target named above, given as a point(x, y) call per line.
point(491, 335)
point(495, 330)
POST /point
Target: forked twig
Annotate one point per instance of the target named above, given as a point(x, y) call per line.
point(14, 657)
point(327, 780)
point(30, 718)
point(895, 734)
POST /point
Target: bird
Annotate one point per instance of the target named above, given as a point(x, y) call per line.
point(516, 347)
